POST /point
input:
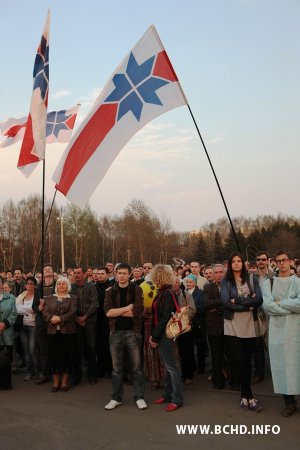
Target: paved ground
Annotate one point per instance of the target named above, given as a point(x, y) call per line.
point(31, 417)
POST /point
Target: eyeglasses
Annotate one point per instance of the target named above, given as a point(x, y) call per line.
point(281, 261)
point(261, 259)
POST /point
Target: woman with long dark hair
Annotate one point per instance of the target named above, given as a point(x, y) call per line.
point(163, 307)
point(27, 334)
point(241, 296)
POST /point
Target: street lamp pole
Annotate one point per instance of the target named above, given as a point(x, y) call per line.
point(61, 219)
point(247, 257)
point(4, 260)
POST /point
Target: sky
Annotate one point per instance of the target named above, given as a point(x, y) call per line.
point(238, 62)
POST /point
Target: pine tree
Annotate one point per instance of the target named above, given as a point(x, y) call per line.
point(202, 253)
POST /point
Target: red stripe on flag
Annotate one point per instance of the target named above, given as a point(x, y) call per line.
point(13, 131)
point(86, 144)
point(25, 156)
point(71, 121)
point(163, 67)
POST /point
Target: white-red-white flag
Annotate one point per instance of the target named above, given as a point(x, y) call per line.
point(143, 87)
point(59, 127)
point(34, 141)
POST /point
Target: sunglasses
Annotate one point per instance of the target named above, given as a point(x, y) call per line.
point(261, 259)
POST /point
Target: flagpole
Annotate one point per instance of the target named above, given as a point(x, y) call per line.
point(43, 223)
point(46, 228)
point(217, 181)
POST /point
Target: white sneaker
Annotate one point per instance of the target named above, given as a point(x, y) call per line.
point(28, 377)
point(141, 404)
point(112, 404)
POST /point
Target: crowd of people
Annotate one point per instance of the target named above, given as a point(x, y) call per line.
point(112, 320)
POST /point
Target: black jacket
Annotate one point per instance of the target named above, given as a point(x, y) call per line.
point(88, 304)
point(134, 296)
point(229, 291)
point(101, 288)
point(39, 293)
point(214, 310)
point(162, 308)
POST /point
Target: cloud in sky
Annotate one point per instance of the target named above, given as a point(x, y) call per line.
point(86, 102)
point(216, 139)
point(62, 93)
point(158, 143)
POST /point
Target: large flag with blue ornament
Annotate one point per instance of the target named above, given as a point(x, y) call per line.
point(34, 141)
point(143, 87)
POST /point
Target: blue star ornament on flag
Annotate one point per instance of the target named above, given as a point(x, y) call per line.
point(135, 86)
point(60, 124)
point(34, 141)
point(142, 87)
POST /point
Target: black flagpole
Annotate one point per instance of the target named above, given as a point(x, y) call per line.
point(221, 193)
point(43, 224)
point(45, 231)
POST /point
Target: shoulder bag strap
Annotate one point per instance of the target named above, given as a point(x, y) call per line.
point(251, 282)
point(175, 301)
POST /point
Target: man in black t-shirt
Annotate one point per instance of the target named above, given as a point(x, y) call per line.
point(123, 306)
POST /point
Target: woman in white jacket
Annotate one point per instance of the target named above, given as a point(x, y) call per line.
point(27, 333)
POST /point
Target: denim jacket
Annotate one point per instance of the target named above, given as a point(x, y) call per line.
point(8, 315)
point(229, 291)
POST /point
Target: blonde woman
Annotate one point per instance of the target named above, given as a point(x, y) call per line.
point(59, 313)
point(162, 309)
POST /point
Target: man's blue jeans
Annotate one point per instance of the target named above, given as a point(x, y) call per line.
point(120, 341)
point(173, 386)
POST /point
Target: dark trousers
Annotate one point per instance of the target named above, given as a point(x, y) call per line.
point(104, 364)
point(259, 357)
point(186, 352)
point(86, 345)
point(289, 399)
point(217, 347)
point(200, 340)
point(5, 372)
point(42, 350)
point(122, 341)
point(239, 352)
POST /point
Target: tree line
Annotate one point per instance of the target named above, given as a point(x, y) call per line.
point(135, 236)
